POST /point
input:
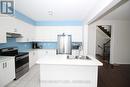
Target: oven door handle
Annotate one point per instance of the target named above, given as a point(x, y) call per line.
point(22, 57)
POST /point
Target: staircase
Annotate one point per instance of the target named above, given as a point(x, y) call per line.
point(106, 51)
point(106, 46)
point(106, 29)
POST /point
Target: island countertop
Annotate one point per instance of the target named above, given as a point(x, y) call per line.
point(62, 60)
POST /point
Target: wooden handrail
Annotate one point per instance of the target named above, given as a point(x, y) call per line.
point(107, 42)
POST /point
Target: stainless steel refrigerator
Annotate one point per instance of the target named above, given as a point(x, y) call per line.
point(64, 44)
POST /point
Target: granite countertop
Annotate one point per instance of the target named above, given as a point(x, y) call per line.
point(62, 60)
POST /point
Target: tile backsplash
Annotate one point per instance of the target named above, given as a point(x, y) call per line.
point(11, 42)
point(48, 45)
point(26, 46)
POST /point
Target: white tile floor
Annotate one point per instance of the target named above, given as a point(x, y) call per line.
point(30, 79)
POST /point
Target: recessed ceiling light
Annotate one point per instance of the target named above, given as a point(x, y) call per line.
point(50, 13)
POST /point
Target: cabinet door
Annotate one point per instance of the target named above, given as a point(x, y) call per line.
point(2, 37)
point(46, 52)
point(46, 35)
point(7, 72)
point(18, 26)
point(49, 34)
point(2, 30)
point(26, 30)
point(32, 58)
point(9, 24)
point(2, 74)
point(13, 25)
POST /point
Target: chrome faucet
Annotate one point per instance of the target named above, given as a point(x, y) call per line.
point(80, 49)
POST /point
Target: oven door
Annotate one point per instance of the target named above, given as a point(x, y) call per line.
point(21, 60)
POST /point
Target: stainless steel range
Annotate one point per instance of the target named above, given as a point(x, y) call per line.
point(21, 60)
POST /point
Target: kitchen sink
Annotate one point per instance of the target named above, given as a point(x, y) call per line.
point(78, 57)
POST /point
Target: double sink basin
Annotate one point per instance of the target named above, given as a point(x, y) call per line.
point(78, 57)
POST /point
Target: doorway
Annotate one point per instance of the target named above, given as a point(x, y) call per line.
point(103, 41)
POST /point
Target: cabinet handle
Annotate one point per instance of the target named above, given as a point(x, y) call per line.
point(3, 65)
point(15, 30)
point(33, 53)
point(6, 64)
point(28, 39)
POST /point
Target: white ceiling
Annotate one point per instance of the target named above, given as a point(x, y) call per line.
point(121, 13)
point(55, 10)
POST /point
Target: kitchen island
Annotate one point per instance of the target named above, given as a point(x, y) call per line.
point(58, 71)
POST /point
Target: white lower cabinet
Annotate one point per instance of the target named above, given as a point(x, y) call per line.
point(7, 71)
point(33, 57)
point(35, 54)
point(67, 75)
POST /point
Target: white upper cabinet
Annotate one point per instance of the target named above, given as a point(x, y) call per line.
point(26, 30)
point(2, 37)
point(49, 34)
point(14, 25)
point(2, 30)
point(7, 24)
point(40, 33)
